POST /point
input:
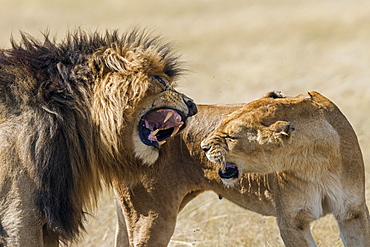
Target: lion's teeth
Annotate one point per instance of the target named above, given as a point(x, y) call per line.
point(161, 143)
point(155, 132)
point(175, 130)
point(169, 115)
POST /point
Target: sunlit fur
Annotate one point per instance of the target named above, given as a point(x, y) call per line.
point(316, 158)
point(68, 119)
point(186, 172)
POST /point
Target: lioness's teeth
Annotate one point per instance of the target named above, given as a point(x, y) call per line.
point(161, 143)
point(169, 115)
point(155, 132)
point(175, 130)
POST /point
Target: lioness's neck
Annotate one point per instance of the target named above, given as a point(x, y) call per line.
point(251, 187)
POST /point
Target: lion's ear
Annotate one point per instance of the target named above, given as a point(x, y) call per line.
point(111, 61)
point(277, 133)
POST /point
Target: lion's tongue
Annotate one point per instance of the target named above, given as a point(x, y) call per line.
point(162, 119)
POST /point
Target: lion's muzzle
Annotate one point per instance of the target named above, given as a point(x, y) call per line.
point(192, 107)
point(158, 125)
point(161, 123)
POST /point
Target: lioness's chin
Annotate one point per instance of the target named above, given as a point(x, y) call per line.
point(229, 174)
point(229, 182)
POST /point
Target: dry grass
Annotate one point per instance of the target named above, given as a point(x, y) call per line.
point(235, 51)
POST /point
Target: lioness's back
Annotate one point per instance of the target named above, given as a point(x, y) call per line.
point(351, 154)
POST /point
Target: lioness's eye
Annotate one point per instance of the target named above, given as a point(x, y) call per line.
point(230, 138)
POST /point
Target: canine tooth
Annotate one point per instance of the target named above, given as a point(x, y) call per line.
point(161, 143)
point(155, 132)
point(175, 130)
point(169, 115)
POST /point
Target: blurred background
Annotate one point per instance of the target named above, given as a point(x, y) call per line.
point(234, 51)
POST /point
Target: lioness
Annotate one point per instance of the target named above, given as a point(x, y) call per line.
point(150, 208)
point(311, 155)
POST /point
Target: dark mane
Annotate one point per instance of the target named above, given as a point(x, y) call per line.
point(47, 87)
point(30, 66)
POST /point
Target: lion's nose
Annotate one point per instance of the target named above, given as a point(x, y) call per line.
point(193, 109)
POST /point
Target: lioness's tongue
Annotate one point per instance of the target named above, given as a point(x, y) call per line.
point(227, 166)
point(228, 171)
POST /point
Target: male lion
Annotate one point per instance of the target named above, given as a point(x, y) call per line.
point(311, 155)
point(92, 104)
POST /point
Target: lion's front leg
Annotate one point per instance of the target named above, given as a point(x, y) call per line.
point(49, 238)
point(20, 224)
point(149, 220)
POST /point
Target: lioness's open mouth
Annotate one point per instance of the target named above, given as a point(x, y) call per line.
point(158, 125)
point(228, 170)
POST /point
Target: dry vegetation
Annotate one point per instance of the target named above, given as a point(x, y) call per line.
point(235, 52)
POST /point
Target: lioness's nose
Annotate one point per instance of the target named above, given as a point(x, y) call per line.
point(193, 109)
point(205, 147)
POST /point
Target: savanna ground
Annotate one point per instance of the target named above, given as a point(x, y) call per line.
point(235, 51)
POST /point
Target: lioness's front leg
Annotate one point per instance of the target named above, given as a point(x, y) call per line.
point(296, 209)
point(355, 228)
point(295, 231)
point(149, 221)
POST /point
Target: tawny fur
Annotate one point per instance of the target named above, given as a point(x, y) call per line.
point(149, 209)
point(316, 158)
point(69, 114)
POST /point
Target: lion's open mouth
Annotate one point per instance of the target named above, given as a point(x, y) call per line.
point(228, 170)
point(158, 125)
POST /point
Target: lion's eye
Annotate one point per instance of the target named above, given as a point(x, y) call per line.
point(161, 81)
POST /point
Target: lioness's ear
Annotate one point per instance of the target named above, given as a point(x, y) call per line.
point(277, 133)
point(111, 61)
point(282, 128)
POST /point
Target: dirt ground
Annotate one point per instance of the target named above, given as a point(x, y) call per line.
point(235, 51)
